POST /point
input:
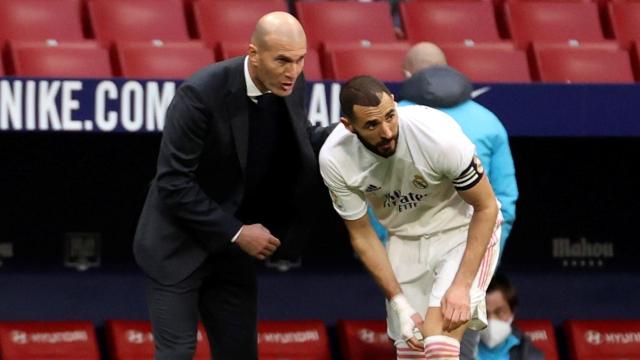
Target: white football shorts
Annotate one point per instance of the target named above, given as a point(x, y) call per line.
point(425, 268)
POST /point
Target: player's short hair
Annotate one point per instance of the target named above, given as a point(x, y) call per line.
point(500, 282)
point(361, 90)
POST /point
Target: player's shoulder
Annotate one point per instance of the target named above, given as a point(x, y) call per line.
point(427, 120)
point(217, 75)
point(335, 146)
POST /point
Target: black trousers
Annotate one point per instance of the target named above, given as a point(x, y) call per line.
point(222, 293)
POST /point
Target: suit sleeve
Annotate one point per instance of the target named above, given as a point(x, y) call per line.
point(182, 143)
point(317, 134)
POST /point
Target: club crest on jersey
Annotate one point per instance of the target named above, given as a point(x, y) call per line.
point(419, 182)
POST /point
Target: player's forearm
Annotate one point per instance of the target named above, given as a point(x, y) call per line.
point(481, 230)
point(374, 257)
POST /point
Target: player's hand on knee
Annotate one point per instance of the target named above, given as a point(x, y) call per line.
point(410, 322)
point(257, 241)
point(455, 308)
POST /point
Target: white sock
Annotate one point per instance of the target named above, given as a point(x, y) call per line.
point(404, 352)
point(440, 347)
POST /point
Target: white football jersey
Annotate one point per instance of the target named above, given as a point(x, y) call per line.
point(413, 192)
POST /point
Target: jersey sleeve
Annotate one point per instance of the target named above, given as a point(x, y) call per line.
point(349, 203)
point(457, 160)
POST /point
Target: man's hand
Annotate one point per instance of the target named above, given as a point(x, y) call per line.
point(257, 241)
point(410, 322)
point(455, 307)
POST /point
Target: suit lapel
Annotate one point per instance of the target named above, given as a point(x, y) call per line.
point(239, 113)
point(236, 99)
point(297, 119)
point(293, 116)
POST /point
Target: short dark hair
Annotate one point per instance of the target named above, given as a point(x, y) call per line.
point(502, 283)
point(361, 90)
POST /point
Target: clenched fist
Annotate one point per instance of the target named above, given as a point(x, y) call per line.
point(257, 241)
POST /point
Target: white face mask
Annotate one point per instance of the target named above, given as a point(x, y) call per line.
point(496, 332)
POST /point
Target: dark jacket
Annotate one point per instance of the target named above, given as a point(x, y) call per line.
point(189, 210)
point(525, 350)
point(438, 86)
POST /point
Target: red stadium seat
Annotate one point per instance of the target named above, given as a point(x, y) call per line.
point(52, 59)
point(583, 64)
point(624, 18)
point(140, 20)
point(133, 340)
point(231, 20)
point(635, 58)
point(552, 22)
point(491, 63)
point(312, 67)
point(2, 69)
point(382, 63)
point(293, 340)
point(448, 21)
point(542, 335)
point(346, 21)
point(160, 60)
point(365, 340)
point(26, 20)
point(603, 339)
point(54, 340)
point(500, 16)
point(329, 47)
point(229, 49)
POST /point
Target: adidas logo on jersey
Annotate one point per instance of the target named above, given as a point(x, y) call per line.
point(372, 187)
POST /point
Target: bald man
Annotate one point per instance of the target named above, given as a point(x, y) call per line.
point(421, 56)
point(236, 145)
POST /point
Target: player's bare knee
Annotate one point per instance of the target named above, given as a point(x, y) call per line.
point(441, 347)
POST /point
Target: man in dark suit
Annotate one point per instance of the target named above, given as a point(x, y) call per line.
point(236, 146)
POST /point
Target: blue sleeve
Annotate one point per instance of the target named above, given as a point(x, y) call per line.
point(502, 176)
point(381, 231)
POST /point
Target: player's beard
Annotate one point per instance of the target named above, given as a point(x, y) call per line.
point(375, 148)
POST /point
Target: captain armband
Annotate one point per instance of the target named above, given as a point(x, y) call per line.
point(470, 176)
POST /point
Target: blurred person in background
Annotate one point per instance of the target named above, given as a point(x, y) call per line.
point(501, 340)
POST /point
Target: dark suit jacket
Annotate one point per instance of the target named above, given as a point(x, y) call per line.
point(189, 210)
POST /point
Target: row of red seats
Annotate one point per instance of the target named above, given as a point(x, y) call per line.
point(151, 59)
point(297, 340)
point(571, 62)
point(521, 21)
point(499, 62)
point(324, 21)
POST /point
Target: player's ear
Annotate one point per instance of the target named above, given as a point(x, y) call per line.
point(252, 51)
point(347, 124)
